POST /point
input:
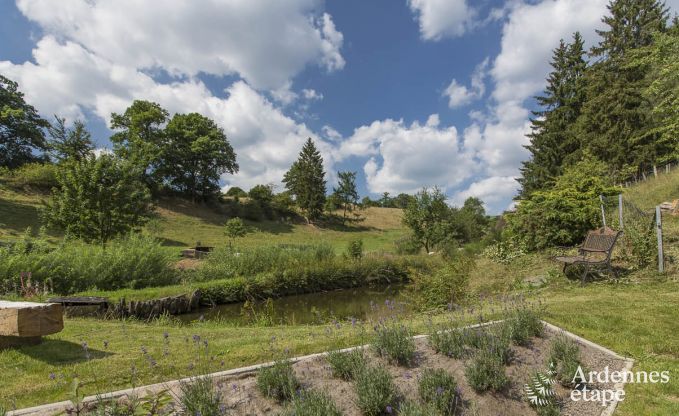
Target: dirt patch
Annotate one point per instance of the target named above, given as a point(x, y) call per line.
point(243, 398)
point(188, 264)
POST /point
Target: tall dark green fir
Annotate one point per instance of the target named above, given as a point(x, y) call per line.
point(306, 181)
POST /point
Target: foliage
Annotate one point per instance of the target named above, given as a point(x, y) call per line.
point(540, 393)
point(355, 249)
point(470, 221)
point(522, 324)
point(305, 180)
point(565, 213)
point(375, 390)
point(564, 356)
point(20, 127)
point(450, 342)
point(438, 388)
point(505, 251)
point(428, 217)
point(486, 371)
point(278, 381)
point(553, 143)
point(235, 228)
point(445, 286)
point(346, 193)
point(98, 199)
point(236, 192)
point(394, 341)
point(194, 154)
point(347, 364)
point(199, 396)
point(312, 403)
point(34, 176)
point(132, 262)
point(73, 143)
point(407, 245)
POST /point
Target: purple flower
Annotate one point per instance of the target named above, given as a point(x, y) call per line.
point(166, 335)
point(439, 390)
point(52, 376)
point(389, 409)
point(407, 375)
point(458, 391)
point(234, 387)
point(196, 338)
point(353, 321)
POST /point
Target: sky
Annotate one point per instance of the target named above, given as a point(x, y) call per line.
point(407, 93)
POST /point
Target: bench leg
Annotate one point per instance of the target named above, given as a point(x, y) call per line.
point(611, 271)
point(584, 274)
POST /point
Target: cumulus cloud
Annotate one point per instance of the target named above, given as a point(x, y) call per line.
point(459, 95)
point(264, 42)
point(442, 18)
point(496, 192)
point(404, 158)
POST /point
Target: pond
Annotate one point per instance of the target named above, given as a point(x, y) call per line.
point(361, 303)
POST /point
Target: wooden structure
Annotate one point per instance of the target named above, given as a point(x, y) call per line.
point(27, 322)
point(197, 252)
point(594, 253)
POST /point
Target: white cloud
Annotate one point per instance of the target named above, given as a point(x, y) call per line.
point(404, 158)
point(495, 192)
point(311, 94)
point(459, 95)
point(265, 42)
point(442, 18)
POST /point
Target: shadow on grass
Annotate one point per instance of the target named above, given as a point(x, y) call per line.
point(59, 352)
point(168, 242)
point(271, 227)
point(16, 217)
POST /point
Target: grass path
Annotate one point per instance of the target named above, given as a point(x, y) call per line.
point(634, 320)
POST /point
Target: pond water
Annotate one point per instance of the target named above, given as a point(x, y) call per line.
point(361, 303)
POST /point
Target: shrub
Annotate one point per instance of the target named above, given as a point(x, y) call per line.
point(41, 176)
point(312, 403)
point(505, 251)
point(407, 245)
point(486, 371)
point(439, 389)
point(133, 262)
point(564, 355)
point(199, 397)
point(523, 324)
point(346, 364)
point(394, 341)
point(355, 249)
point(445, 286)
point(375, 390)
point(278, 381)
point(493, 342)
point(450, 342)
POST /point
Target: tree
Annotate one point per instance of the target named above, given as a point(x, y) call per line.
point(236, 192)
point(21, 128)
point(428, 217)
point(262, 194)
point(385, 201)
point(235, 228)
point(401, 200)
point(346, 193)
point(139, 136)
point(553, 143)
point(616, 118)
point(194, 154)
point(471, 220)
point(98, 199)
point(73, 143)
point(306, 181)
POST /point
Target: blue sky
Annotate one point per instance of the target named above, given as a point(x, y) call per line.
point(408, 93)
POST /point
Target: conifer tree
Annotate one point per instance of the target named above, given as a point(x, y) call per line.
point(74, 143)
point(306, 181)
point(552, 140)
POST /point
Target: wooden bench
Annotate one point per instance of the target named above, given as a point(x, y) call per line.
point(24, 323)
point(594, 253)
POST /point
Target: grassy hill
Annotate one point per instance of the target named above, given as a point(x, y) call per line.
point(181, 223)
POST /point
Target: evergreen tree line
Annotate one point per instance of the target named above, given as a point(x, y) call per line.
point(616, 102)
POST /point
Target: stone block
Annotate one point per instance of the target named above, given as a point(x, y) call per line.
point(30, 319)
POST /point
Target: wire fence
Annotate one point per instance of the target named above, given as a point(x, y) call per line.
point(653, 172)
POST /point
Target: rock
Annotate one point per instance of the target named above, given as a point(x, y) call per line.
point(26, 322)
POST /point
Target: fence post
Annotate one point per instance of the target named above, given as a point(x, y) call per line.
point(667, 168)
point(658, 221)
point(620, 211)
point(603, 212)
point(655, 171)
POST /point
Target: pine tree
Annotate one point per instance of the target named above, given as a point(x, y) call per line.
point(616, 122)
point(553, 143)
point(73, 143)
point(305, 180)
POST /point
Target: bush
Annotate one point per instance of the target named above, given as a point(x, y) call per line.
point(522, 325)
point(395, 342)
point(40, 176)
point(199, 397)
point(407, 246)
point(312, 403)
point(133, 262)
point(346, 364)
point(486, 371)
point(449, 342)
point(445, 286)
point(564, 356)
point(375, 390)
point(355, 249)
point(278, 381)
point(439, 389)
point(505, 251)
point(563, 215)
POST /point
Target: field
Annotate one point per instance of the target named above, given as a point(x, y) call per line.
point(636, 316)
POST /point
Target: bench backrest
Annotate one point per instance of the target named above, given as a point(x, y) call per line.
point(601, 240)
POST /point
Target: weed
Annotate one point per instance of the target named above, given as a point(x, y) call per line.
point(278, 381)
point(394, 341)
point(486, 371)
point(564, 355)
point(199, 397)
point(355, 249)
point(312, 403)
point(375, 390)
point(445, 286)
point(347, 364)
point(439, 389)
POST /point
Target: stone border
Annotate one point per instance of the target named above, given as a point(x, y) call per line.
point(60, 407)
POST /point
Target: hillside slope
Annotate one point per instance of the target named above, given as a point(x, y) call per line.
point(181, 224)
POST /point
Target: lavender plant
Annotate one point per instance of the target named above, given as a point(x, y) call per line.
point(439, 389)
